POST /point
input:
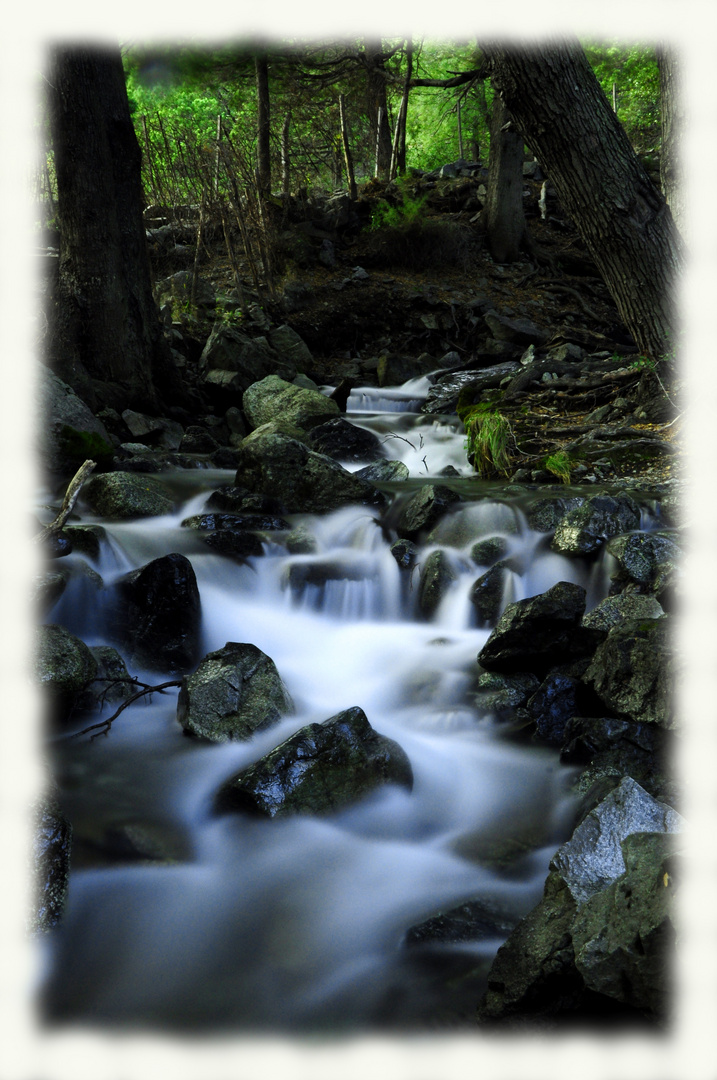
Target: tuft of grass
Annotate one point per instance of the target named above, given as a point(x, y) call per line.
point(487, 438)
point(559, 465)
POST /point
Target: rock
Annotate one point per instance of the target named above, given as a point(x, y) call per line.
point(177, 291)
point(69, 433)
point(489, 550)
point(86, 539)
point(552, 706)
point(624, 936)
point(344, 441)
point(236, 522)
point(651, 560)
point(544, 514)
point(584, 530)
point(475, 920)
point(158, 614)
point(541, 632)
point(405, 552)
point(436, 579)
point(618, 748)
point(487, 594)
point(227, 499)
point(241, 360)
point(616, 609)
point(196, 440)
point(634, 671)
point(52, 845)
point(301, 542)
point(62, 667)
point(290, 347)
point(302, 480)
point(46, 590)
point(502, 694)
point(321, 768)
point(235, 692)
point(443, 396)
point(112, 682)
point(394, 369)
point(592, 858)
point(383, 472)
point(126, 495)
point(153, 430)
point(515, 331)
point(422, 510)
point(274, 399)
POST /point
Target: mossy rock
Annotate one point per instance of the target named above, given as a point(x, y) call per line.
point(78, 446)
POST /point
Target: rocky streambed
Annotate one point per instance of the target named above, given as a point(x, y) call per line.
point(406, 762)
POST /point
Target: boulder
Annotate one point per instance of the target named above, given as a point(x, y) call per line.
point(541, 632)
point(612, 749)
point(323, 767)
point(466, 386)
point(69, 433)
point(153, 431)
point(383, 472)
point(179, 289)
point(405, 552)
point(158, 614)
point(275, 399)
point(585, 529)
point(501, 694)
point(52, 844)
point(544, 514)
point(487, 593)
point(487, 551)
point(127, 495)
point(422, 510)
point(112, 683)
point(241, 360)
point(616, 609)
point(652, 561)
point(290, 347)
point(552, 706)
point(235, 692)
point(515, 331)
point(62, 667)
point(437, 576)
point(395, 369)
point(344, 441)
point(302, 480)
point(634, 671)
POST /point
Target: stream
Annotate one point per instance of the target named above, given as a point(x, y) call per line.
point(298, 925)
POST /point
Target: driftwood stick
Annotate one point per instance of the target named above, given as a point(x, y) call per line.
point(102, 727)
point(73, 490)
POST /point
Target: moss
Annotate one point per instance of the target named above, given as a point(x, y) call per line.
point(82, 446)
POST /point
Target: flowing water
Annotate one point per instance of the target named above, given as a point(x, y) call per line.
point(299, 924)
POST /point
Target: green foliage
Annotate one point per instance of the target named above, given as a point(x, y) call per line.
point(632, 69)
point(559, 464)
point(401, 213)
point(487, 437)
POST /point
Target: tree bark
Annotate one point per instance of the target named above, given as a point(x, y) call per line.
point(263, 169)
point(672, 121)
point(377, 107)
point(558, 107)
point(106, 340)
point(503, 214)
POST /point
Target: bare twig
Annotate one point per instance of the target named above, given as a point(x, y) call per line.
point(103, 726)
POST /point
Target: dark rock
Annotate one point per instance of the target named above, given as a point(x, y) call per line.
point(539, 633)
point(516, 331)
point(124, 495)
point(233, 360)
point(235, 692)
point(616, 609)
point(383, 472)
point(235, 545)
point(487, 594)
point(634, 671)
point(552, 706)
point(154, 431)
point(422, 510)
point(395, 369)
point(236, 522)
point(342, 392)
point(112, 682)
point(502, 694)
point(197, 440)
point(343, 441)
point(302, 480)
point(544, 514)
point(444, 395)
point(228, 499)
point(52, 845)
point(321, 768)
point(159, 612)
point(62, 667)
point(436, 579)
point(47, 589)
point(475, 920)
point(618, 748)
point(489, 550)
point(651, 560)
point(405, 552)
point(224, 457)
point(584, 530)
point(57, 545)
point(290, 347)
point(86, 539)
point(60, 407)
point(274, 399)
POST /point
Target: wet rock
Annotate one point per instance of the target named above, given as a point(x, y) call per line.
point(653, 561)
point(584, 530)
point(405, 552)
point(158, 614)
point(617, 748)
point(436, 579)
point(444, 395)
point(46, 590)
point(422, 510)
point(235, 692)
point(544, 514)
point(86, 539)
point(552, 706)
point(321, 768)
point(301, 542)
point(126, 495)
point(234, 360)
point(302, 480)
point(634, 670)
point(239, 545)
point(62, 667)
point(616, 609)
point(383, 472)
point(61, 408)
point(476, 920)
point(624, 936)
point(502, 694)
point(112, 682)
point(516, 331)
point(488, 550)
point(236, 522)
point(343, 441)
point(541, 632)
point(196, 440)
point(291, 347)
point(272, 399)
point(487, 594)
point(52, 845)
point(395, 369)
point(227, 499)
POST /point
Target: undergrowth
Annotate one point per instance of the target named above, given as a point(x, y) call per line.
point(488, 434)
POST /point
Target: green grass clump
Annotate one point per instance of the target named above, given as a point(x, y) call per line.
point(487, 438)
point(559, 465)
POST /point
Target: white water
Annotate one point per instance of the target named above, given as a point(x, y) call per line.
point(297, 924)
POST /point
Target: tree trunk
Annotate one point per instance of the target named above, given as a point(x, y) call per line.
point(347, 148)
point(106, 327)
point(557, 106)
point(377, 108)
point(263, 167)
point(503, 214)
point(672, 118)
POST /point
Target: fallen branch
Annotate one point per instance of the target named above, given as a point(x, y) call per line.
point(102, 727)
point(73, 490)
